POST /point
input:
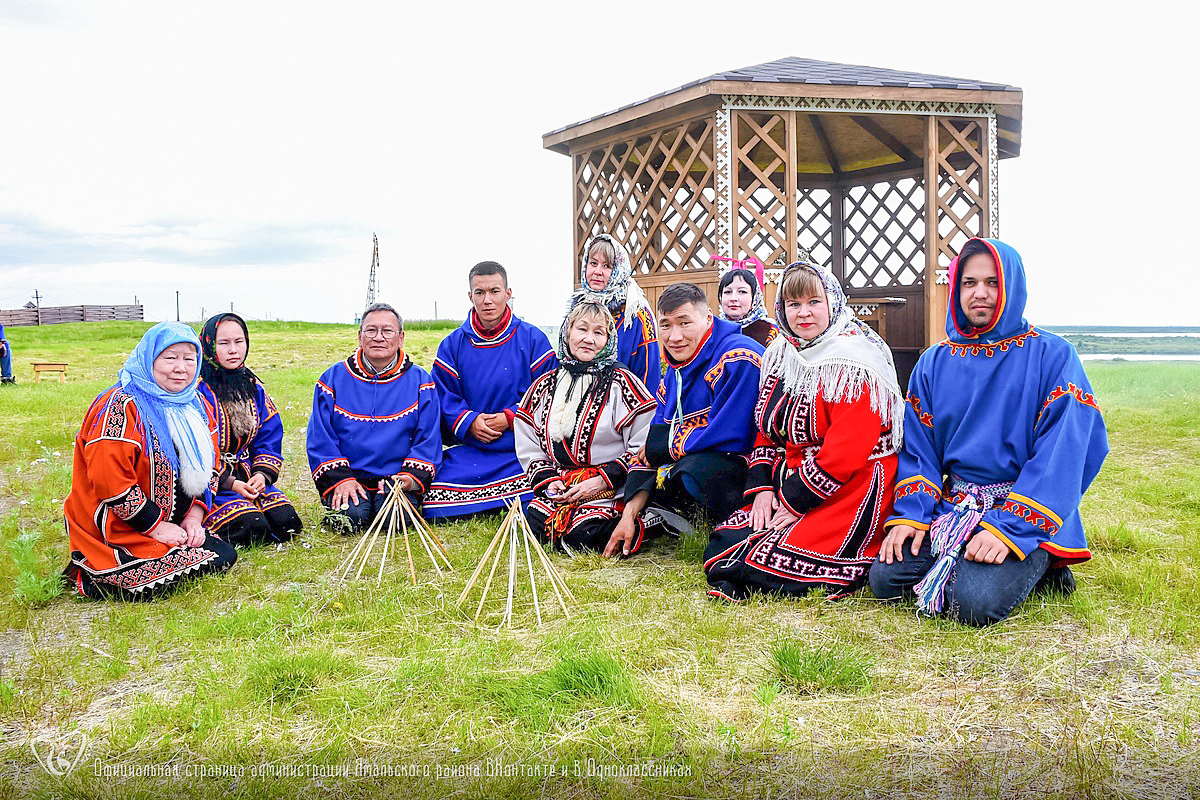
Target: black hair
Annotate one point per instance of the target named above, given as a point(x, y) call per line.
point(744, 274)
point(973, 248)
point(488, 268)
point(677, 295)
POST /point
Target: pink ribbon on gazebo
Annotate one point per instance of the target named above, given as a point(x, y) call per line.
point(745, 263)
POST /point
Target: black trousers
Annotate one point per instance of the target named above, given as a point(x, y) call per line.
point(709, 485)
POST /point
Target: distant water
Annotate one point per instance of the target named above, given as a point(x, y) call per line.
point(1120, 335)
point(1137, 357)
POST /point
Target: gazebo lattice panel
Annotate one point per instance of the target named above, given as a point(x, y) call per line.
point(814, 217)
point(884, 232)
point(762, 152)
point(655, 194)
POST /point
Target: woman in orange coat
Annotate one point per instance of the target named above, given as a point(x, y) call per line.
point(143, 477)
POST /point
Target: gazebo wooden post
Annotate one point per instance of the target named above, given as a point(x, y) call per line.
point(935, 295)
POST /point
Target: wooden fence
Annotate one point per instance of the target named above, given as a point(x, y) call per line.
point(53, 315)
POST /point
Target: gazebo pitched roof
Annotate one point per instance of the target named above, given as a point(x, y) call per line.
point(807, 70)
point(793, 76)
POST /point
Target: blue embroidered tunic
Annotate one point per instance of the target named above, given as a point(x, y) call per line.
point(241, 457)
point(373, 424)
point(1005, 403)
point(637, 348)
point(483, 372)
point(717, 387)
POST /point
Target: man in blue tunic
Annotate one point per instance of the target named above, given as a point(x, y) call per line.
point(1002, 436)
point(6, 375)
point(482, 370)
point(375, 424)
point(696, 455)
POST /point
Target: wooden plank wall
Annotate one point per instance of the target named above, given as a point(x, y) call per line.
point(54, 315)
point(707, 279)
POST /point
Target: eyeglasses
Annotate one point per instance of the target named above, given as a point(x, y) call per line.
point(386, 333)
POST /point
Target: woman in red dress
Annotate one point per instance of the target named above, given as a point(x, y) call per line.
point(819, 488)
point(143, 477)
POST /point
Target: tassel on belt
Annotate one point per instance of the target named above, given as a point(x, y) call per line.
point(950, 532)
point(559, 522)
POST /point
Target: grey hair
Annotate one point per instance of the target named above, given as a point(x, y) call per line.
point(371, 309)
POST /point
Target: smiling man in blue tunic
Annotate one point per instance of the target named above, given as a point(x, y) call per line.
point(1002, 437)
point(374, 425)
point(482, 370)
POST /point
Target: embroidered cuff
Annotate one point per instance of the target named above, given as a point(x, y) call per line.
point(136, 510)
point(269, 465)
point(418, 470)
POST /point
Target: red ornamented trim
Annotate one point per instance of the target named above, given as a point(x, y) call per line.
point(925, 417)
point(682, 431)
point(739, 354)
point(916, 486)
point(1031, 515)
point(989, 350)
point(1072, 390)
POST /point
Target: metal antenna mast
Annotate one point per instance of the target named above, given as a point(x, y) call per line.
point(373, 281)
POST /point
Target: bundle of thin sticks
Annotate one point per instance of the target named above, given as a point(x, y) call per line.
point(513, 533)
point(396, 518)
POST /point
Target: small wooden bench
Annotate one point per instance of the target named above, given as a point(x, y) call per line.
point(51, 367)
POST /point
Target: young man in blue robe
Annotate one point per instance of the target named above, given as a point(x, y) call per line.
point(695, 458)
point(482, 370)
point(1002, 437)
point(375, 425)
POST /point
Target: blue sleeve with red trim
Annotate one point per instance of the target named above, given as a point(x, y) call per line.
point(1070, 444)
point(425, 456)
point(543, 360)
point(329, 466)
point(638, 346)
point(730, 425)
point(456, 415)
point(266, 449)
point(919, 468)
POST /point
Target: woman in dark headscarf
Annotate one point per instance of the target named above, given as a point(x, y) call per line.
point(248, 508)
point(607, 279)
point(142, 477)
point(576, 430)
point(742, 302)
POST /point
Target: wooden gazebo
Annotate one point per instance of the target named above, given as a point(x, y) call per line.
point(880, 174)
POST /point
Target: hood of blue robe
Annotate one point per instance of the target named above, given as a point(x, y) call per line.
point(1010, 305)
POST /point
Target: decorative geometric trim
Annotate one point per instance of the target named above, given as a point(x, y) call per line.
point(737, 354)
point(1033, 516)
point(925, 417)
point(857, 105)
point(916, 484)
point(723, 145)
point(989, 350)
point(993, 177)
point(1086, 398)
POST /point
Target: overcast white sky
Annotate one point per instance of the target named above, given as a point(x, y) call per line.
point(245, 151)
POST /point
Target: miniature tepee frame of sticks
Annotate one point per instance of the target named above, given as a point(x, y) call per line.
point(513, 533)
point(396, 518)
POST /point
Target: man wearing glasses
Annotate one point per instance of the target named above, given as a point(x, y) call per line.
point(374, 425)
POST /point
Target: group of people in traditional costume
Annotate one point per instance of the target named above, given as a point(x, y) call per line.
point(789, 438)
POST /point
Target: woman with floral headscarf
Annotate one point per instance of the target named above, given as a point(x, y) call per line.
point(143, 477)
point(248, 509)
point(822, 471)
point(577, 429)
point(742, 302)
point(607, 279)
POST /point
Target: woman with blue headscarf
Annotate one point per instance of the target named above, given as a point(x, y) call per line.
point(143, 477)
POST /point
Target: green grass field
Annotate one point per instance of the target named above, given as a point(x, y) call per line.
point(275, 681)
